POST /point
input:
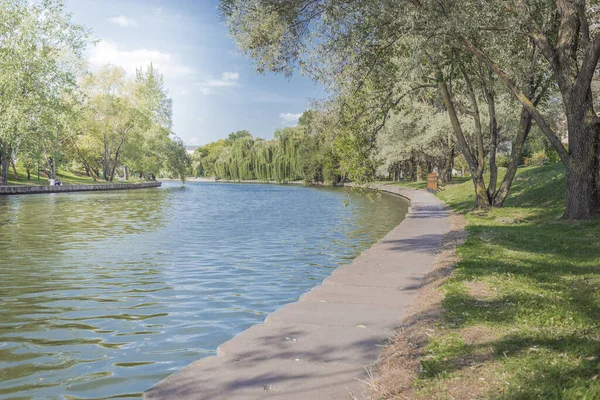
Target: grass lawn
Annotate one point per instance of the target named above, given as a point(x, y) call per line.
point(421, 184)
point(521, 313)
point(67, 178)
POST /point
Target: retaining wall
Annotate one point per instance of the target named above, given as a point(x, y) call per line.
point(75, 188)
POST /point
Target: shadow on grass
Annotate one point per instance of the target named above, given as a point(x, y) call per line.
point(558, 367)
point(542, 305)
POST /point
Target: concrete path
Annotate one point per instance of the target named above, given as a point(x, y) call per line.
point(320, 346)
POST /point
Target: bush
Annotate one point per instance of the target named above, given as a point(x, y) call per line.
point(503, 160)
point(537, 158)
point(552, 155)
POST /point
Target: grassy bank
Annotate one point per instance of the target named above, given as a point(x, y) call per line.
point(519, 318)
point(67, 178)
point(420, 184)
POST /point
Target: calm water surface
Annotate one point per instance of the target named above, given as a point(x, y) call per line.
point(104, 294)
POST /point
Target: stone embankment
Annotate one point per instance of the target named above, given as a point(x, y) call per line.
point(16, 189)
point(321, 346)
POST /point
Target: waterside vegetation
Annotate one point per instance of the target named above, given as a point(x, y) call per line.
point(518, 317)
point(55, 113)
point(414, 83)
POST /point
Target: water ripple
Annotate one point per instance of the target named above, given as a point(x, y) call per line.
point(104, 294)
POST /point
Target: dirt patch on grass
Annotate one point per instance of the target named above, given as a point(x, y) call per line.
point(478, 335)
point(479, 290)
point(400, 362)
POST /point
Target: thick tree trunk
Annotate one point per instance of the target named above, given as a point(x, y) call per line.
point(581, 203)
point(582, 168)
point(4, 164)
point(481, 195)
point(5, 157)
point(106, 170)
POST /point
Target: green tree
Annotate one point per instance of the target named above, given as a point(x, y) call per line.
point(40, 49)
point(447, 44)
point(111, 116)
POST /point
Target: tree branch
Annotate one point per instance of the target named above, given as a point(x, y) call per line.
point(523, 99)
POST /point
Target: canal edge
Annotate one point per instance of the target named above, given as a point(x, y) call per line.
point(24, 189)
point(320, 346)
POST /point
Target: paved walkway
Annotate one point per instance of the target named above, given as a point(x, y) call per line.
point(319, 347)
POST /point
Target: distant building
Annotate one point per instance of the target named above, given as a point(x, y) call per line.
point(191, 149)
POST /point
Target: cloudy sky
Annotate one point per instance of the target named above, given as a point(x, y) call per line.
point(215, 90)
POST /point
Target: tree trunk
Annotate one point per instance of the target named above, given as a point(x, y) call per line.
point(515, 157)
point(446, 175)
point(14, 167)
point(580, 192)
point(582, 168)
point(419, 172)
point(106, 170)
point(481, 195)
point(491, 190)
point(475, 162)
point(5, 157)
point(28, 174)
point(574, 82)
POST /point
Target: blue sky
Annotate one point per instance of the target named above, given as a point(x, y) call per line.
point(215, 89)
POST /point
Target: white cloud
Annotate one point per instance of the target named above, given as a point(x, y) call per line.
point(289, 118)
point(270, 97)
point(110, 53)
point(123, 21)
point(228, 79)
point(230, 76)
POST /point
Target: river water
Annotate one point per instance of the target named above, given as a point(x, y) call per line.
point(104, 294)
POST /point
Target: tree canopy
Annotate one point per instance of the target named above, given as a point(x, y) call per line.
point(54, 112)
point(471, 60)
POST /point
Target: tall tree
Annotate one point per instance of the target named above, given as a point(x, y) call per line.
point(39, 50)
point(566, 34)
point(110, 117)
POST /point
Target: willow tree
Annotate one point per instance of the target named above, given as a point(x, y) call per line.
point(263, 160)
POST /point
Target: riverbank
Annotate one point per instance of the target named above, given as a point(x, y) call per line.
point(25, 189)
point(318, 347)
point(239, 181)
point(517, 316)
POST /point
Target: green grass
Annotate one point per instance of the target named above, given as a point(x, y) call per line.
point(529, 284)
point(419, 185)
point(403, 183)
point(67, 178)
